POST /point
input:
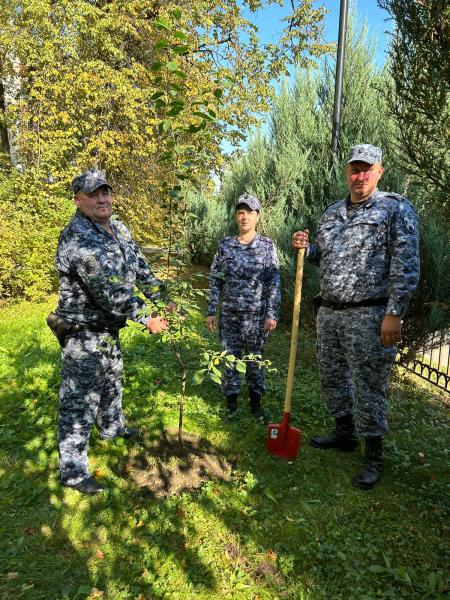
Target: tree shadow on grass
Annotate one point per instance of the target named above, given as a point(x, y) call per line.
point(287, 529)
point(40, 560)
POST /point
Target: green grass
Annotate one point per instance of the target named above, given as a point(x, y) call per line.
point(277, 530)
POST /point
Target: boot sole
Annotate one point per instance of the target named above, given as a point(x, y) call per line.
point(363, 486)
point(341, 448)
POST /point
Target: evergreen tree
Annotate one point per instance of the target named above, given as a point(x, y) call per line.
point(419, 96)
point(292, 171)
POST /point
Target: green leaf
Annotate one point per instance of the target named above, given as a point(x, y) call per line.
point(270, 495)
point(241, 367)
point(203, 115)
point(161, 23)
point(161, 44)
point(403, 575)
point(377, 569)
point(215, 378)
point(157, 95)
point(84, 589)
point(218, 93)
point(180, 35)
point(172, 66)
point(199, 376)
point(181, 50)
point(156, 66)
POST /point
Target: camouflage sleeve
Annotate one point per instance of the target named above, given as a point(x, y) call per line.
point(405, 265)
point(273, 284)
point(313, 254)
point(105, 286)
point(146, 280)
point(215, 283)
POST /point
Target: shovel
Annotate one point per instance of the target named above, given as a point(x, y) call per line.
point(282, 439)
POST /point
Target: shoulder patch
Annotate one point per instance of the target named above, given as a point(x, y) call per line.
point(409, 222)
point(90, 265)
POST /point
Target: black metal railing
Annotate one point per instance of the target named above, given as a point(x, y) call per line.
point(432, 362)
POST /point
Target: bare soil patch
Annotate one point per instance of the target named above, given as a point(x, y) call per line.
point(164, 468)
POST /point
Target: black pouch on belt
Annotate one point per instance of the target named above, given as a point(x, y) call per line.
point(59, 326)
point(317, 303)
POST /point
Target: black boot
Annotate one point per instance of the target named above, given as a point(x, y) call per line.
point(343, 437)
point(88, 485)
point(372, 465)
point(255, 407)
point(232, 404)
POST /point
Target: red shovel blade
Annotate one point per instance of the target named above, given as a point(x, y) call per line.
point(282, 439)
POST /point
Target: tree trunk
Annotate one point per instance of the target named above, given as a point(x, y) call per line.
point(4, 138)
point(182, 394)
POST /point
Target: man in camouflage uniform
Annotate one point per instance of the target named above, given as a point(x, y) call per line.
point(245, 281)
point(99, 265)
point(367, 250)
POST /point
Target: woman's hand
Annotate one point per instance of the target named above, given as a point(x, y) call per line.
point(270, 325)
point(211, 322)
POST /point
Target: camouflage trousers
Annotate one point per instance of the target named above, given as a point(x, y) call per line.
point(91, 391)
point(240, 335)
point(354, 366)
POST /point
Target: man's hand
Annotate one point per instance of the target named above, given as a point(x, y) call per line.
point(156, 324)
point(300, 239)
point(270, 325)
point(391, 330)
point(211, 322)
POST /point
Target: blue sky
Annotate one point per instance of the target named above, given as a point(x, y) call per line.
point(269, 24)
point(270, 27)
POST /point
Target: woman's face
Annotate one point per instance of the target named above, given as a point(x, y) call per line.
point(246, 219)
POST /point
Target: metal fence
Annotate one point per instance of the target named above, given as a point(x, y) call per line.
point(432, 362)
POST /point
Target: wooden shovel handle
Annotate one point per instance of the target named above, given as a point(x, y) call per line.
point(294, 332)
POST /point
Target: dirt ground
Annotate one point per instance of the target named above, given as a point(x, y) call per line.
point(166, 469)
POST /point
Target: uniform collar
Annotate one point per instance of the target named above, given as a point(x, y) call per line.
point(369, 202)
point(97, 226)
point(238, 244)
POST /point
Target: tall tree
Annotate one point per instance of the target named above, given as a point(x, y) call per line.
point(419, 98)
point(145, 90)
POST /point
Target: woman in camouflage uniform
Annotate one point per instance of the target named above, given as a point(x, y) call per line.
point(245, 282)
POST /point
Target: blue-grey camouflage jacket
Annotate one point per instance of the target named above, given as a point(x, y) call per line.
point(373, 253)
point(250, 280)
point(99, 274)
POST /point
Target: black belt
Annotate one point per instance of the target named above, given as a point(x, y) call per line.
point(345, 305)
point(76, 327)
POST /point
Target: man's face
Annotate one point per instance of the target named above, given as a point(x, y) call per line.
point(362, 179)
point(97, 205)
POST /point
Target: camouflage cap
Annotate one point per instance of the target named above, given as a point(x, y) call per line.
point(89, 181)
point(365, 153)
point(251, 201)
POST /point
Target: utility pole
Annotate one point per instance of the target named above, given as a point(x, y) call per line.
point(339, 76)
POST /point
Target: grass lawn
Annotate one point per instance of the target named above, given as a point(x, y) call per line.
point(277, 530)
